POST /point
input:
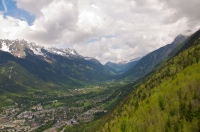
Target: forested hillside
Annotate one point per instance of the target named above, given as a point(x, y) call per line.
point(169, 100)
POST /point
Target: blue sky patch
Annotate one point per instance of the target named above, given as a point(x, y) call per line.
point(98, 39)
point(9, 8)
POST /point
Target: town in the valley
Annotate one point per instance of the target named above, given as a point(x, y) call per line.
point(52, 113)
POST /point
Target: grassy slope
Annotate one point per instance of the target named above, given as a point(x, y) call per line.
point(168, 101)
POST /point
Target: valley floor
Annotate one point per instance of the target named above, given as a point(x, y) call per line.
point(56, 111)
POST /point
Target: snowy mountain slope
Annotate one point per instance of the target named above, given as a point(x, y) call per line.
point(18, 49)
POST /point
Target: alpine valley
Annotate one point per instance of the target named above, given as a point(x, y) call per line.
point(23, 62)
point(52, 89)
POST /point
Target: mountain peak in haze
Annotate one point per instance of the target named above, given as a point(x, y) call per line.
point(146, 63)
point(121, 62)
point(179, 39)
point(121, 66)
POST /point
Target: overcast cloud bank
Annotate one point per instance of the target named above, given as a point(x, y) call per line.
point(106, 30)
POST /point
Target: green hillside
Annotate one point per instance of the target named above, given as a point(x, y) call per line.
point(169, 100)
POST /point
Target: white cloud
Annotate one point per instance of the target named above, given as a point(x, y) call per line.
point(32, 6)
point(57, 22)
point(188, 9)
point(106, 30)
point(11, 28)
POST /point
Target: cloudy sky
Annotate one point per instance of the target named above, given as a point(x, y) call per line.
point(108, 30)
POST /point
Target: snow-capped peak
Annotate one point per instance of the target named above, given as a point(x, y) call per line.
point(88, 58)
point(63, 52)
point(135, 59)
point(37, 50)
point(121, 62)
point(19, 48)
point(4, 47)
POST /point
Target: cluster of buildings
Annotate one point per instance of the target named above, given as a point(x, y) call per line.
point(14, 120)
point(9, 124)
point(19, 120)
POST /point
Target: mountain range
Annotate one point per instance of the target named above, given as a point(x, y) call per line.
point(163, 95)
point(21, 62)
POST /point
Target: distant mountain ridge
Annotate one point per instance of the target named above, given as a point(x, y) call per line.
point(120, 67)
point(18, 48)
